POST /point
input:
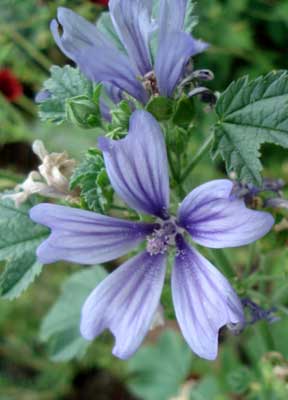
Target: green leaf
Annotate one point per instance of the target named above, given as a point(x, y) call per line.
point(165, 366)
point(120, 118)
point(191, 20)
point(83, 111)
point(65, 83)
point(91, 177)
point(239, 379)
point(19, 238)
point(60, 327)
point(251, 113)
point(207, 388)
point(184, 111)
point(160, 107)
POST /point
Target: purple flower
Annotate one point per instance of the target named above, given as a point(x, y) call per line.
point(126, 301)
point(132, 71)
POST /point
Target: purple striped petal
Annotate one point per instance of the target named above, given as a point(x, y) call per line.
point(174, 52)
point(125, 303)
point(137, 165)
point(94, 54)
point(171, 16)
point(131, 19)
point(85, 237)
point(216, 219)
point(203, 300)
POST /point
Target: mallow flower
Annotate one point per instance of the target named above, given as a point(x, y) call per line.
point(132, 68)
point(127, 300)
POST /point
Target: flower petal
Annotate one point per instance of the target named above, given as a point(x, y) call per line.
point(174, 51)
point(125, 303)
point(203, 299)
point(85, 237)
point(137, 165)
point(171, 16)
point(216, 219)
point(95, 55)
point(131, 19)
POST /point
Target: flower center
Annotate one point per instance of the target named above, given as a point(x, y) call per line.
point(162, 238)
point(150, 83)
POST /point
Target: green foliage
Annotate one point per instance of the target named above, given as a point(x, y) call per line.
point(19, 238)
point(208, 388)
point(120, 115)
point(91, 177)
point(191, 20)
point(165, 366)
point(251, 113)
point(160, 107)
point(63, 85)
point(60, 327)
point(184, 112)
point(85, 112)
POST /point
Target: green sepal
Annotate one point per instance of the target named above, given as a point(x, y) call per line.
point(184, 111)
point(160, 107)
point(91, 177)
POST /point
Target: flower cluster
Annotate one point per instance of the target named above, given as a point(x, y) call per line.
point(150, 57)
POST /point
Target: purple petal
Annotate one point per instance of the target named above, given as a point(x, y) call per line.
point(125, 303)
point(111, 96)
point(171, 16)
point(203, 299)
point(96, 57)
point(216, 219)
point(137, 165)
point(131, 19)
point(85, 237)
point(172, 56)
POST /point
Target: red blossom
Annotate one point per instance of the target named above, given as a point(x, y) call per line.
point(102, 2)
point(10, 87)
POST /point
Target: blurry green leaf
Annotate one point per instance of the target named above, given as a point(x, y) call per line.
point(158, 371)
point(19, 238)
point(92, 179)
point(64, 84)
point(160, 107)
point(208, 388)
point(239, 379)
point(60, 327)
point(251, 113)
point(191, 20)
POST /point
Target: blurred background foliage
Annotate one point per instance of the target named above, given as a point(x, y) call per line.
point(247, 37)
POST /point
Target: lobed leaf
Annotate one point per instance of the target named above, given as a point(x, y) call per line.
point(251, 113)
point(19, 238)
point(60, 327)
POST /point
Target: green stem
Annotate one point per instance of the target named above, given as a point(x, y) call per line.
point(198, 157)
point(25, 45)
point(223, 261)
point(171, 165)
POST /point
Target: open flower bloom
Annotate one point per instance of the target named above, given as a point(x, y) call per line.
point(127, 300)
point(131, 69)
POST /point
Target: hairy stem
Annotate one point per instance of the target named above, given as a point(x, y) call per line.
point(198, 157)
